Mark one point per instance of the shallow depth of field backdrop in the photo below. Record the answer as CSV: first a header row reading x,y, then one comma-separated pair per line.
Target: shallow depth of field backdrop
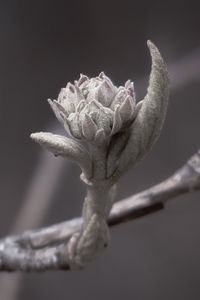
x,y
43,45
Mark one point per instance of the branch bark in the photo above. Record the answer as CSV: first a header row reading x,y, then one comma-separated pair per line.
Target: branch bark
x,y
45,249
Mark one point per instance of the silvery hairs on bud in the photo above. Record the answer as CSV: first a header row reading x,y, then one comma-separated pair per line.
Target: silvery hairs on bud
x,y
108,133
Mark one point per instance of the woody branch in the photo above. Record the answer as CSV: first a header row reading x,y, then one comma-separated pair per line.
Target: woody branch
x,y
45,249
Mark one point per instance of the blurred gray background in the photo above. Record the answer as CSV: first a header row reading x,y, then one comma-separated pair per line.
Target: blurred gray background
x,y
43,45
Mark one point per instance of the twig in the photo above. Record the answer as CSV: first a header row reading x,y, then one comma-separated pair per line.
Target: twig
x,y
45,249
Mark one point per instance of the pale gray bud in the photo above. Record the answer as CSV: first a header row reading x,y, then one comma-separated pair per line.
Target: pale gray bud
x,y
95,105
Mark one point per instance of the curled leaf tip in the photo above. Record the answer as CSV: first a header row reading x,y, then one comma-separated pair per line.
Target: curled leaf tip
x,y
150,116
36,136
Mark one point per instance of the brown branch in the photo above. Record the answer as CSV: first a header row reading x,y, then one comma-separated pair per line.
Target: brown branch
x,y
45,249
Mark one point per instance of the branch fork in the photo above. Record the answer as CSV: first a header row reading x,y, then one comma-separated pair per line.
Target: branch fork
x,y
48,248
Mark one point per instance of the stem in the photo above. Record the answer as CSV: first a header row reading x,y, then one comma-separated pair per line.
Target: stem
x,y
91,240
98,200
99,162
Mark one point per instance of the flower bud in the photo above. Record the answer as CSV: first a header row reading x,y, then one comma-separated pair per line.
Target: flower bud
x,y
94,109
